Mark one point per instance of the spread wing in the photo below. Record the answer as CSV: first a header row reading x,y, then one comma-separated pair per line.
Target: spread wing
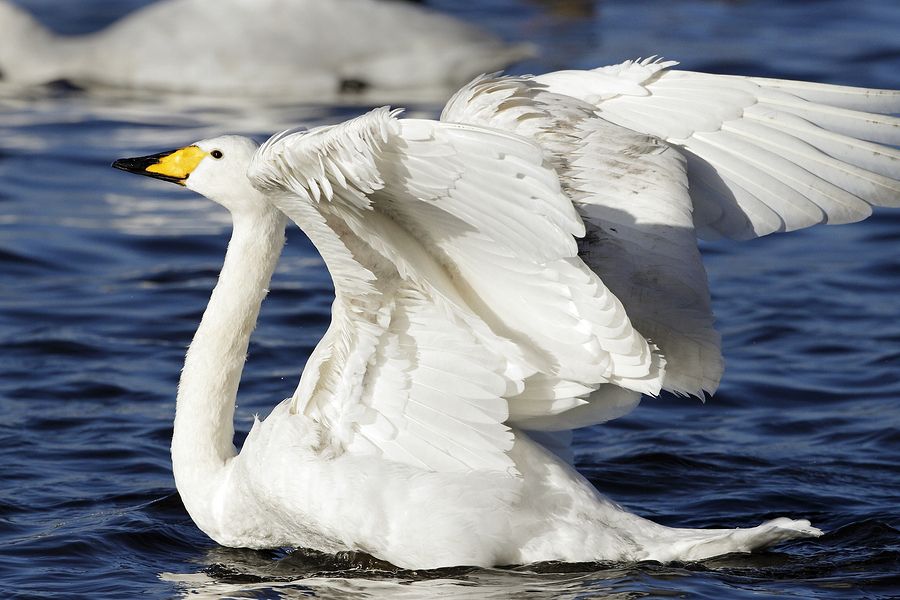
x,y
652,158
461,302
763,155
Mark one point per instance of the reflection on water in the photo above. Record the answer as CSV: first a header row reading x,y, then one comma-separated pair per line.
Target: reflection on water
x,y
866,549
246,573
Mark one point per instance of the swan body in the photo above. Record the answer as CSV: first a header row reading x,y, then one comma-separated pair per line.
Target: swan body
x,y
525,266
293,48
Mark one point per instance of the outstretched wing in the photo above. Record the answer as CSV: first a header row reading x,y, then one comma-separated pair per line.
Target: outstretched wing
x,y
653,157
632,193
764,155
459,288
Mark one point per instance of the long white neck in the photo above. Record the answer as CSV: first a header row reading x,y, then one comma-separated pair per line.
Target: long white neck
x,y
202,442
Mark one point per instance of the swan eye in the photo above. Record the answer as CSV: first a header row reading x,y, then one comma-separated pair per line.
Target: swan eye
x,y
216,154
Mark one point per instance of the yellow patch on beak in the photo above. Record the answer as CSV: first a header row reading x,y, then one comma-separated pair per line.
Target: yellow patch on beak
x,y
179,164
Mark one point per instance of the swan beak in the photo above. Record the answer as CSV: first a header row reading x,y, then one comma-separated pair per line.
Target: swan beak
x,y
174,166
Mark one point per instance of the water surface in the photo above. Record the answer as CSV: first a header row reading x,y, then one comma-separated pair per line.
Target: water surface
x,y
104,276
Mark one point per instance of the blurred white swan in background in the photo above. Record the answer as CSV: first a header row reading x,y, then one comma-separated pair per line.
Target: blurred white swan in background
x,y
293,48
524,266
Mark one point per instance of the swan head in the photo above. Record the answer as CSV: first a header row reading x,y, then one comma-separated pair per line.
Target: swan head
x,y
215,168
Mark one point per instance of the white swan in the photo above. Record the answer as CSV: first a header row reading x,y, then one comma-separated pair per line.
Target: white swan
x,y
466,315
295,48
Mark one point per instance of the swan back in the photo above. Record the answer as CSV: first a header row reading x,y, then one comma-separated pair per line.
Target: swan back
x,y
300,48
28,50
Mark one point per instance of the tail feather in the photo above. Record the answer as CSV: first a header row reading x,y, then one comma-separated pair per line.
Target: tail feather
x,y
699,544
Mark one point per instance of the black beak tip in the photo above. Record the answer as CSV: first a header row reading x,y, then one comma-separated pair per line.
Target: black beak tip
x,y
134,165
121,163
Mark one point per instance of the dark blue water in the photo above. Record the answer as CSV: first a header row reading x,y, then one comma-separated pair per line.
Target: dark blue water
x,y
103,278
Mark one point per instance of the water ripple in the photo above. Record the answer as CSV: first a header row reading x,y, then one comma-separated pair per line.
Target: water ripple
x,y
103,278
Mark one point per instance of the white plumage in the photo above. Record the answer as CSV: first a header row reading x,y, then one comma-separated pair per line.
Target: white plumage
x,y
522,267
295,49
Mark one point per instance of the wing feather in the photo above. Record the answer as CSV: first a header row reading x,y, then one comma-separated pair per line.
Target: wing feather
x,y
762,156
464,299
632,193
853,98
475,286
790,146
758,156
